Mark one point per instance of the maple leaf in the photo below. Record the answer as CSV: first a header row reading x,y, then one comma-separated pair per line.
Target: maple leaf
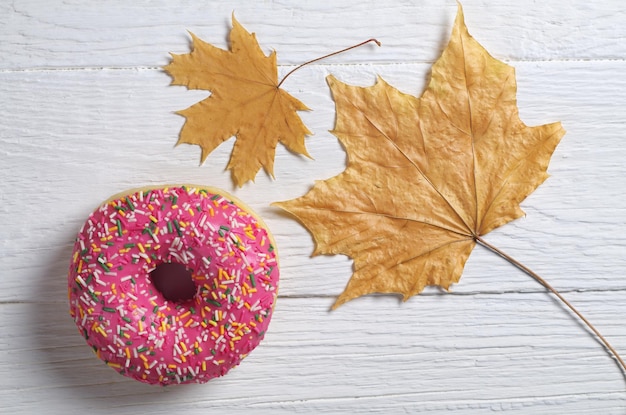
x,y
426,177
245,102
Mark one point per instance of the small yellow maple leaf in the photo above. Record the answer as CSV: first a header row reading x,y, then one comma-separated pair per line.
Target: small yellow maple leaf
x,y
245,102
426,176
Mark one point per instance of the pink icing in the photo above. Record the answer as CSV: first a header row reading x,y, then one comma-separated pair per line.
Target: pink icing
x,y
131,326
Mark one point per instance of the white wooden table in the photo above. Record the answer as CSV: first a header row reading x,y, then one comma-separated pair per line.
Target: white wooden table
x,y
86,112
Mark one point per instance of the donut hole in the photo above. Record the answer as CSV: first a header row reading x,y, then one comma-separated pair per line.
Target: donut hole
x,y
174,281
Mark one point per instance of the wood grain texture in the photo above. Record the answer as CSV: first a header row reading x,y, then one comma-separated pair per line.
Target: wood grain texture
x,y
75,34
85,112
369,356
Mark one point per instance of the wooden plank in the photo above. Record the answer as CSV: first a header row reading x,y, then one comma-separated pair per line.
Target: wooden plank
x,y
515,352
99,132
35,34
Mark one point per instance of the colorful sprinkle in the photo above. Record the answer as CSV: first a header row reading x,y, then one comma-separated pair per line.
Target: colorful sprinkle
x,y
129,323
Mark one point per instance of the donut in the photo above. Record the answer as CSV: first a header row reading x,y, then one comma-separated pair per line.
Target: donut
x,y
173,285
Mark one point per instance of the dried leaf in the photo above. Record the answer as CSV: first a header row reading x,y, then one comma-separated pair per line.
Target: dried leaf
x,y
245,102
425,176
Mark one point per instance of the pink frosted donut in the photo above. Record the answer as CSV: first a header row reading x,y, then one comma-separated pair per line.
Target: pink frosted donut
x,y
174,284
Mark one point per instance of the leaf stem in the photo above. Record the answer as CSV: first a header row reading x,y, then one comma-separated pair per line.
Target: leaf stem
x,y
543,282
326,56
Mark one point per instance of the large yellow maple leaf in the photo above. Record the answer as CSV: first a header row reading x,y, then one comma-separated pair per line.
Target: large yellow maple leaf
x,y
426,177
245,102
